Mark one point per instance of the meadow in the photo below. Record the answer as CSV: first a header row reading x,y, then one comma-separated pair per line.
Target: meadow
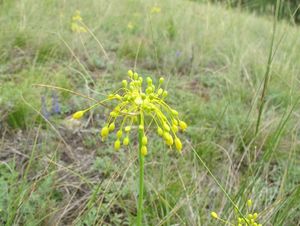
x,y
232,75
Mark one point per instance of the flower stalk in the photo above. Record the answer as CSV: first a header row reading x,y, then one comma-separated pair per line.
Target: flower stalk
x,y
141,173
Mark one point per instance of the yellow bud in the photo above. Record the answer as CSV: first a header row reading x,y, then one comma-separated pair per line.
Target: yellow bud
x,y
255,215
144,140
165,93
127,128
160,131
166,127
178,144
174,112
174,128
124,83
112,127
113,114
160,91
104,131
130,73
182,125
119,134
168,139
149,81
117,145
126,141
161,80
250,216
214,215
249,202
175,122
144,150
135,75
78,114
141,127
255,224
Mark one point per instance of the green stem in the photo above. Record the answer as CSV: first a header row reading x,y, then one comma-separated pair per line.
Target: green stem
x,y
141,172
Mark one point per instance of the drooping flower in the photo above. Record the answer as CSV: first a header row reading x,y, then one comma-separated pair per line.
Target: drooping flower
x,y
138,105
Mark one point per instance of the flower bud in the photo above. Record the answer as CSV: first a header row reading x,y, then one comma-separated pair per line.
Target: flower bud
x,y
182,125
124,83
166,126
149,81
165,93
174,112
126,141
214,215
144,140
249,203
178,144
130,73
161,80
119,134
117,145
113,114
112,127
127,128
255,215
160,91
144,150
160,131
104,131
78,114
135,75
174,128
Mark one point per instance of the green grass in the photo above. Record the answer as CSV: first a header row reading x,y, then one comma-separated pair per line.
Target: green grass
x,y
58,172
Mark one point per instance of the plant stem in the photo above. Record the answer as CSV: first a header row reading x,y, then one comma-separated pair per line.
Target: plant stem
x,y
141,178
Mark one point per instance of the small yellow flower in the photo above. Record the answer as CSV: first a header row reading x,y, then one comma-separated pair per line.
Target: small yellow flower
x,y
104,132
117,145
112,127
126,141
178,144
130,25
76,23
144,150
249,202
78,115
214,215
249,219
155,9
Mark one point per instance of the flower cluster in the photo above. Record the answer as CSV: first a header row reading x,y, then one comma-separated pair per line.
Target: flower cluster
x,y
155,9
249,220
135,106
76,24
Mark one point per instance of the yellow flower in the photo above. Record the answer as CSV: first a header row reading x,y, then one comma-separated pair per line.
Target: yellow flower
x,y
214,215
76,23
130,25
155,9
78,114
137,103
144,150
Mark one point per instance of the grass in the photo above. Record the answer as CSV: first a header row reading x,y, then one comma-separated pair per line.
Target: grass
x,y
55,171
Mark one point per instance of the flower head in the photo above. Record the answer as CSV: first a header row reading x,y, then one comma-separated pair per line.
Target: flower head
x,y
76,23
139,103
250,219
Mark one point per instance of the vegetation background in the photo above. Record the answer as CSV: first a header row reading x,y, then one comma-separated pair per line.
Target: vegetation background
x,y
223,73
